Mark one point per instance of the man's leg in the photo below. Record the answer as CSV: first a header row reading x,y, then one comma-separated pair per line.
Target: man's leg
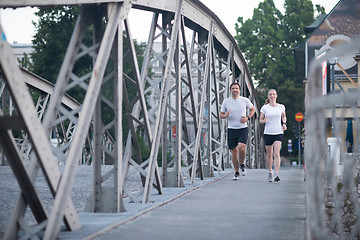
x,y
242,150
242,155
234,158
242,139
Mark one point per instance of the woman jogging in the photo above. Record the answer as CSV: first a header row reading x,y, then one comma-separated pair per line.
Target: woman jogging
x,y
274,117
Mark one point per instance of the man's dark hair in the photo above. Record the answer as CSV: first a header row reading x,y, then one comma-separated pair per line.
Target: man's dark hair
x,y
235,83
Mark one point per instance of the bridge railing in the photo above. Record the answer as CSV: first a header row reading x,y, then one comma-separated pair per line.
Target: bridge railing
x,y
332,173
194,59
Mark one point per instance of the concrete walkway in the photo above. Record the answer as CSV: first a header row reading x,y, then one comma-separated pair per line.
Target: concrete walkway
x,y
250,208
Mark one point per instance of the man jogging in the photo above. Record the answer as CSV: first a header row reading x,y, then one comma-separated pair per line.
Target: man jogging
x,y
234,108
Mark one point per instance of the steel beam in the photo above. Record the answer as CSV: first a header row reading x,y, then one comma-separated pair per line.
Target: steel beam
x,y
195,78
162,105
117,11
197,163
32,125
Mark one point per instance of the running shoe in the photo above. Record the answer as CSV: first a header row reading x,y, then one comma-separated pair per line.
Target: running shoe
x,y
243,170
236,176
277,179
270,178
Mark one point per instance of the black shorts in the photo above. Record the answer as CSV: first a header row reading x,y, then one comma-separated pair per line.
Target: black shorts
x,y
270,139
236,136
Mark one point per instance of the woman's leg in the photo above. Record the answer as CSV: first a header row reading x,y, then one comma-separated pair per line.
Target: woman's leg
x,y
277,161
269,156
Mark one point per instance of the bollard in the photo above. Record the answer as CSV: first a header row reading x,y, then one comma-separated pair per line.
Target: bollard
x,y
334,155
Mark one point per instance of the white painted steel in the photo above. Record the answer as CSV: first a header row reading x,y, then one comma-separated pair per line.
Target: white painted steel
x,y
198,161
162,106
24,104
197,81
54,224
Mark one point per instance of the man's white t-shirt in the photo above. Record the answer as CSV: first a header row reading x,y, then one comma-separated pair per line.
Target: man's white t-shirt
x,y
273,126
237,109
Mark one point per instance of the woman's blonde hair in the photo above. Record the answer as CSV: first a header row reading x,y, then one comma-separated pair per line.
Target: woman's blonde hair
x,y
267,99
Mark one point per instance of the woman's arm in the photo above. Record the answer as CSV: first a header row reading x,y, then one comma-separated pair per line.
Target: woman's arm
x,y
283,118
263,119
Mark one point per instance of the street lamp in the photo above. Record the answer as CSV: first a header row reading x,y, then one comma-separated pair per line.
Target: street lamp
x,y
332,62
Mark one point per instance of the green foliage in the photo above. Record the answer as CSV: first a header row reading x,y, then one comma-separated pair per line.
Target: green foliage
x,y
298,15
144,149
25,62
293,98
259,39
53,33
267,41
320,9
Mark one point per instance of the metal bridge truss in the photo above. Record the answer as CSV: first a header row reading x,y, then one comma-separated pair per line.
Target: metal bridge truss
x,y
198,60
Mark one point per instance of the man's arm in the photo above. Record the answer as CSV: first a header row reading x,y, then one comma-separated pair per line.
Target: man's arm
x,y
244,119
224,114
252,112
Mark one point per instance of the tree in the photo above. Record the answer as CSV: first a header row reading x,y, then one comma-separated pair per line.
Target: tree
x,y
267,41
25,62
258,38
53,33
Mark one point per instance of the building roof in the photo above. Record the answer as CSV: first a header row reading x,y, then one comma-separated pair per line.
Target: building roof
x,y
315,24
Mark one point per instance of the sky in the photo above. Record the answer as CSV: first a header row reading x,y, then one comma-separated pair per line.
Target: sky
x,y
17,24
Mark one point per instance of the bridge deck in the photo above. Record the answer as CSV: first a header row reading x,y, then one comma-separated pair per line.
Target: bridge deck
x,y
250,208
